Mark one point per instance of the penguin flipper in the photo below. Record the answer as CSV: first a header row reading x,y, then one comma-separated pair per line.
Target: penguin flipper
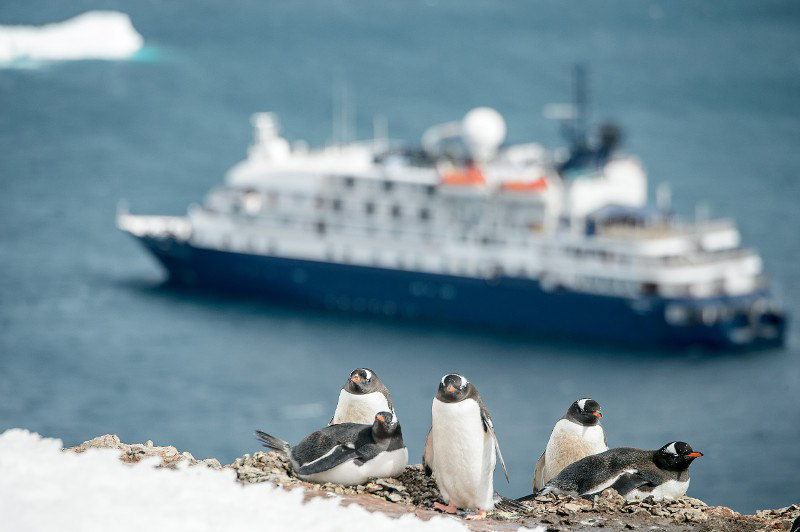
x,y
488,426
334,457
627,482
427,454
538,474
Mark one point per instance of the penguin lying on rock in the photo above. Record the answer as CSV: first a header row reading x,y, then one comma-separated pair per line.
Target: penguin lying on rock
x,y
346,453
633,473
361,397
576,435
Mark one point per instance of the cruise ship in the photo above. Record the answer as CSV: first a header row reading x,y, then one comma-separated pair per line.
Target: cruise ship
x,y
466,229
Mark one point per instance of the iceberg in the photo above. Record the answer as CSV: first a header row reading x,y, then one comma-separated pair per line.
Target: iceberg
x,y
91,35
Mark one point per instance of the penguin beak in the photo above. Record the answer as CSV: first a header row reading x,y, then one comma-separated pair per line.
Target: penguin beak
x,y
695,454
597,414
379,418
451,388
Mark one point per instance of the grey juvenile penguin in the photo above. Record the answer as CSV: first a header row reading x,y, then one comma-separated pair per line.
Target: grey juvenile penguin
x,y
464,447
576,435
633,473
346,453
361,397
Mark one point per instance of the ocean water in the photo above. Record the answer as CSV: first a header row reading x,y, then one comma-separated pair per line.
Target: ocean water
x,y
91,342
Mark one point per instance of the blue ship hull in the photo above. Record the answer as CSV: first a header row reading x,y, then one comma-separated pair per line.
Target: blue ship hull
x,y
504,302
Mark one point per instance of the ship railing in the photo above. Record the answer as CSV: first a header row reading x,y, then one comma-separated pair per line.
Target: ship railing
x,y
674,228
154,226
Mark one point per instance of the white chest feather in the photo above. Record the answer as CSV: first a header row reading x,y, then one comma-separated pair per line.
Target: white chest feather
x,y
569,442
385,465
671,489
353,408
463,455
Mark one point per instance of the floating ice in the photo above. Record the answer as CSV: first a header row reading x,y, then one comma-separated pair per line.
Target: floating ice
x,y
45,488
92,35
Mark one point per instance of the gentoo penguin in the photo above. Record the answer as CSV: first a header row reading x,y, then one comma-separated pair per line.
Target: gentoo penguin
x,y
362,396
576,435
464,447
633,473
346,453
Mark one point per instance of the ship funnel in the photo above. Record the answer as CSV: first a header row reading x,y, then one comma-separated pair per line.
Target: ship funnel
x,y
484,130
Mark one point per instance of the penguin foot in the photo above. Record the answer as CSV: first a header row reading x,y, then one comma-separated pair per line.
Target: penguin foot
x,y
478,516
450,509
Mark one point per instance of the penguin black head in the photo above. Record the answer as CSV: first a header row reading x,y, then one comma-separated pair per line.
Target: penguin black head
x,y
584,412
675,456
362,381
384,426
453,388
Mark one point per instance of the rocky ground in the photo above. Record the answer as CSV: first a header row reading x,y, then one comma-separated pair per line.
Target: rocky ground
x,y
413,492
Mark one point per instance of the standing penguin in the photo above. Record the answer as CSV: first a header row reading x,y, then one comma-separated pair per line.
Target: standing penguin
x,y
346,453
633,473
463,447
576,435
361,397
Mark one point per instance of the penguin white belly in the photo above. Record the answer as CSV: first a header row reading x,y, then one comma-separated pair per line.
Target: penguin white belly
x,y
385,465
463,455
569,442
353,408
671,489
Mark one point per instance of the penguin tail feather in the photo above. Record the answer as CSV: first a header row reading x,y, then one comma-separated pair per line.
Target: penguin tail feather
x,y
271,442
509,505
526,498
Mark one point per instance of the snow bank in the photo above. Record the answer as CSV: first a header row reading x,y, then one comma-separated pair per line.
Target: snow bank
x,y
45,488
92,35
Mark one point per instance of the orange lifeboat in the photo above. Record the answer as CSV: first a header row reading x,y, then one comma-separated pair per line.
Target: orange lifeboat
x,y
538,185
471,175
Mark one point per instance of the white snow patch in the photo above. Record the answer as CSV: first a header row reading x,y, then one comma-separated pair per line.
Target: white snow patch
x,y
92,35
45,488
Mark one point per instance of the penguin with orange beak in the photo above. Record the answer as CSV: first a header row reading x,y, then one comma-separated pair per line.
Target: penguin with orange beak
x,y
362,396
576,435
633,473
346,453
462,448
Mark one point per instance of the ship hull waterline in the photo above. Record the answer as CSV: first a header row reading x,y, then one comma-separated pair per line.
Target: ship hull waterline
x,y
502,303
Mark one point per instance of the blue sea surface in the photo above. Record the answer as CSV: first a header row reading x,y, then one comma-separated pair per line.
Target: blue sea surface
x,y
92,342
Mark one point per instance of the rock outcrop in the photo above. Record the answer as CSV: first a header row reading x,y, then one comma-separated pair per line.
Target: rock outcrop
x,y
413,492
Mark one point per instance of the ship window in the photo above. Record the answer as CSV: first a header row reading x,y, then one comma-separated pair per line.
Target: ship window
x,y
424,213
349,181
321,228
396,211
336,204
369,207
430,190
388,186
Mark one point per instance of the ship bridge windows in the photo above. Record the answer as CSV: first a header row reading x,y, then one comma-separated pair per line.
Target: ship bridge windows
x,y
336,204
397,211
424,214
